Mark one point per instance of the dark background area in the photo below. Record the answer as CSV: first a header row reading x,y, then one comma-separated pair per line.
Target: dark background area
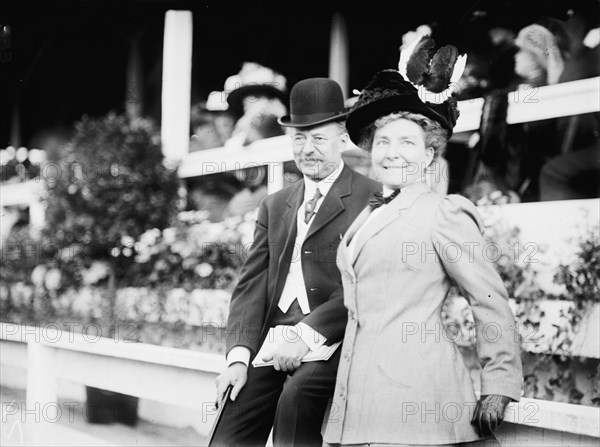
x,y
68,58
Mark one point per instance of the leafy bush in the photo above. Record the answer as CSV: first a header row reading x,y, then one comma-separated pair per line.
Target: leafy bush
x,y
111,184
580,277
194,253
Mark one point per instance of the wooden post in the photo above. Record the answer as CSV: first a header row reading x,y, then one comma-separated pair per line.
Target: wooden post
x,y
41,410
274,177
176,84
15,123
338,53
134,95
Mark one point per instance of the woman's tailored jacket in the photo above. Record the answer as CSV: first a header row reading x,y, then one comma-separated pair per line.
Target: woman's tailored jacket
x,y
401,377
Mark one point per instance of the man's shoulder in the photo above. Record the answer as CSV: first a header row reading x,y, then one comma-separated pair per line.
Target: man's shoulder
x,y
364,182
282,195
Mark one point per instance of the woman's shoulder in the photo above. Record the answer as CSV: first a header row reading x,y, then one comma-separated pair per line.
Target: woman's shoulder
x,y
453,209
457,202
449,202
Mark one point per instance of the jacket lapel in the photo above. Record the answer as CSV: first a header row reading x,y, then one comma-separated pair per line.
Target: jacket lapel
x,y
345,262
290,212
385,217
389,214
290,221
355,226
332,204
288,217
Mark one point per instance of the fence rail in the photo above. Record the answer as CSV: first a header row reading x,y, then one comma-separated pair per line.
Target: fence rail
x,y
525,105
186,378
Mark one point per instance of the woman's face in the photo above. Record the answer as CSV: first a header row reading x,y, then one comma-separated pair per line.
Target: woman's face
x,y
399,154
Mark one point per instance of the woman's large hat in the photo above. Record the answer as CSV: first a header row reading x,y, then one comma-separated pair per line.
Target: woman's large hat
x,y
423,84
315,101
543,44
254,80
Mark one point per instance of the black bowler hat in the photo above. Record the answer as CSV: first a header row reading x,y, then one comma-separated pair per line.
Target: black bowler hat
x,y
315,101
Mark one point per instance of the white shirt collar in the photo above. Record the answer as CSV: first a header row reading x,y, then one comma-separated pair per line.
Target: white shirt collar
x,y
324,185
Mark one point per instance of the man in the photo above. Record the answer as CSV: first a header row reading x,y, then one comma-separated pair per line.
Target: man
x,y
290,278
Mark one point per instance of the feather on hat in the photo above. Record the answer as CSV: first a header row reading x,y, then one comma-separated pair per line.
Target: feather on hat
x,y
423,83
435,73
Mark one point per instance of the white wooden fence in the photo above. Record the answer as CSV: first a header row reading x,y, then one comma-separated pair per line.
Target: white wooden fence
x,y
186,378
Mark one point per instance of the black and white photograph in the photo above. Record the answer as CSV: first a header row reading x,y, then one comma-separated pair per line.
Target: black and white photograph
x,y
300,223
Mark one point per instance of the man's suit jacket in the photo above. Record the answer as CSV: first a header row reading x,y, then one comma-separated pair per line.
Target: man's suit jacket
x,y
402,379
264,273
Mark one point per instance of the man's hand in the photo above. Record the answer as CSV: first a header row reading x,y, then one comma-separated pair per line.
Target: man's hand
x,y
237,375
489,413
288,355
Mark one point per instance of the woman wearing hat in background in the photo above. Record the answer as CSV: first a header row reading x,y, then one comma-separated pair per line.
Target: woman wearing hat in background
x,y
401,378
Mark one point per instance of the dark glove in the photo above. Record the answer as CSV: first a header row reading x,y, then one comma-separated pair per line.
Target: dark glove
x,y
489,414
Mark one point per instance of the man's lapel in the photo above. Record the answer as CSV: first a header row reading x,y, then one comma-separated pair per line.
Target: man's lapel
x,y
289,218
292,204
332,203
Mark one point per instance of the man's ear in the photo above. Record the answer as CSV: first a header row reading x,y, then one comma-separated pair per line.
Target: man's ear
x,y
345,138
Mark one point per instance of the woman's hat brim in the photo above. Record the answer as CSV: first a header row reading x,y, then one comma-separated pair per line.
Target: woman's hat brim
x,y
369,113
236,97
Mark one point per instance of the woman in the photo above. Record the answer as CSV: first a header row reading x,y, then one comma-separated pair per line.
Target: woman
x,y
402,379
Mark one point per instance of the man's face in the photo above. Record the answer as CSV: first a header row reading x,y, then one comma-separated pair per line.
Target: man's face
x,y
318,150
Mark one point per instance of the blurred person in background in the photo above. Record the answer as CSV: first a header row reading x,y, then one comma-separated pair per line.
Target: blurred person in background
x,y
575,172
212,123
543,52
256,99
492,170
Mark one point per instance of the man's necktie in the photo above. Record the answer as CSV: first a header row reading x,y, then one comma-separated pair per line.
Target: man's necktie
x,y
377,199
309,207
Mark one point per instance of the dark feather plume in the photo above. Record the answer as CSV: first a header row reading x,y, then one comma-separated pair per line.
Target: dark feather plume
x,y
417,68
441,68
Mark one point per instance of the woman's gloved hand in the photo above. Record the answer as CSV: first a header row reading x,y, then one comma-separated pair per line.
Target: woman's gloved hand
x,y
489,413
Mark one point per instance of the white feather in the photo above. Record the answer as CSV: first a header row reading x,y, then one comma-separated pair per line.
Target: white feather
x,y
405,56
459,68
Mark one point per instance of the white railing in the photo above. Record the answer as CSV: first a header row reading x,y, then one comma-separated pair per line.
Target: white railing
x,y
167,375
525,105
185,378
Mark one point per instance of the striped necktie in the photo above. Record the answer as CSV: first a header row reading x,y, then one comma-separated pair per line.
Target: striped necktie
x,y
309,207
